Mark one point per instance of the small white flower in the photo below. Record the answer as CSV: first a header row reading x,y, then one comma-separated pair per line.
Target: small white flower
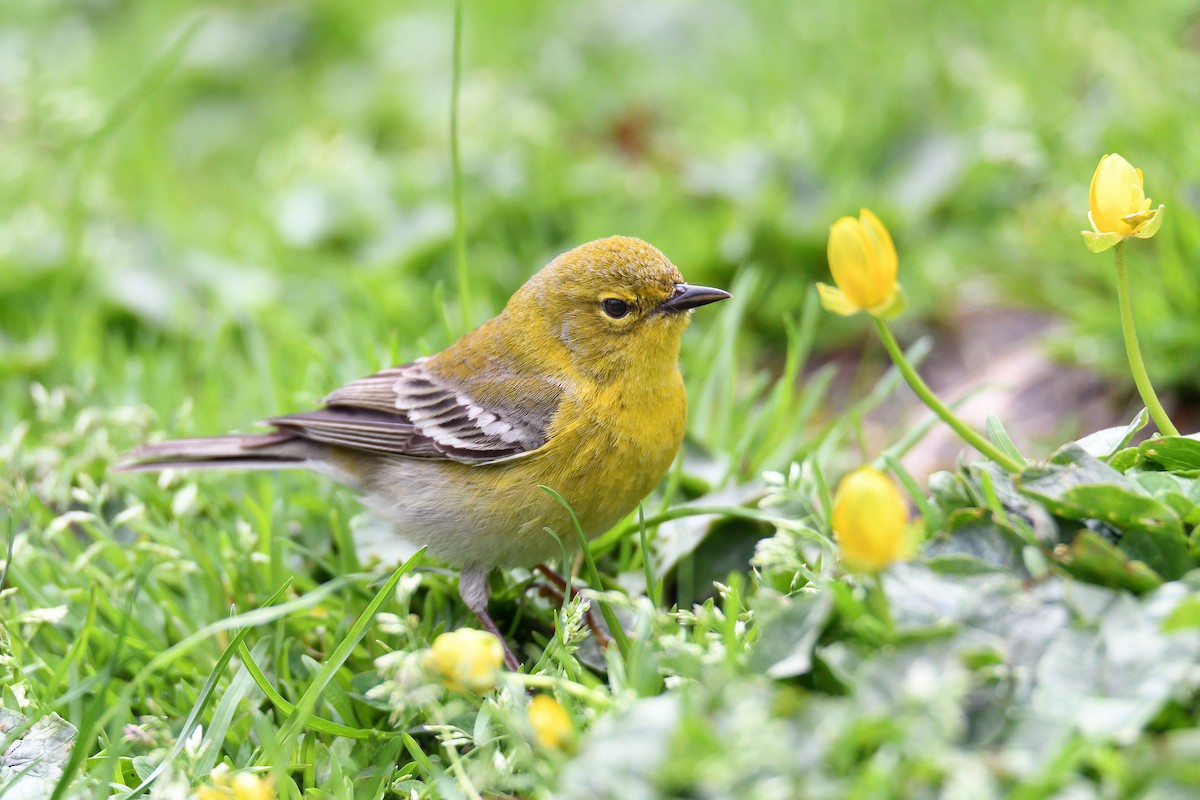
x,y
184,502
51,616
406,586
64,521
195,739
129,514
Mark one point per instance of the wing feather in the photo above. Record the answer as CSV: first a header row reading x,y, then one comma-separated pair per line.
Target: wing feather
x,y
407,411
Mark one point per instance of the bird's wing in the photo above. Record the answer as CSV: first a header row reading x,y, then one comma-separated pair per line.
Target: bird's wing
x,y
407,411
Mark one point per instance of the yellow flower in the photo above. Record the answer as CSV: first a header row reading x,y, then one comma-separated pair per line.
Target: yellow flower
x,y
863,261
241,786
870,521
467,660
551,723
1118,204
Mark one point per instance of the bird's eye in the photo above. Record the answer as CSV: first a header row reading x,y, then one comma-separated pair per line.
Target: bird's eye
x,y
615,308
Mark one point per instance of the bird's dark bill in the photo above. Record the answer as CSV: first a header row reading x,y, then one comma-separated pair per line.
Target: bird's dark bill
x,y
687,296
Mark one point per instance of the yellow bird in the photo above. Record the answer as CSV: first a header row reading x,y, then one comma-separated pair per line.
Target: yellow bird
x,y
575,386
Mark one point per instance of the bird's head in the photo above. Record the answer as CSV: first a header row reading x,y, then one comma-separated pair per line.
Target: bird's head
x,y
613,304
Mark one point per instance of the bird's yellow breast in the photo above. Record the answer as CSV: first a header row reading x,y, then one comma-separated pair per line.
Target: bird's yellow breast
x,y
613,446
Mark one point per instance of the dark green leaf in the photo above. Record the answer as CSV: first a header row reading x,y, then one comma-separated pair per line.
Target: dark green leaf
x,y
1165,553
976,535
1093,559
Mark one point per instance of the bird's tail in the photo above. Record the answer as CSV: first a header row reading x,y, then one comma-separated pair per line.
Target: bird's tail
x,y
279,450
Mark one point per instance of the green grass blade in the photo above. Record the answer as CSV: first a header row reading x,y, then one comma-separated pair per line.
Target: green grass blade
x,y
307,702
222,718
653,587
202,701
12,541
92,716
1000,438
931,516
277,700
462,274
610,618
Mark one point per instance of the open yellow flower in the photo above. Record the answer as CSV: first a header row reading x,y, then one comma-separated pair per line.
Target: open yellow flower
x,y
1118,206
467,660
863,261
870,521
552,725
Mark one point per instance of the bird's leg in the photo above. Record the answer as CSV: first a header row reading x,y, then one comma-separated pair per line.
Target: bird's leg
x,y
564,590
472,586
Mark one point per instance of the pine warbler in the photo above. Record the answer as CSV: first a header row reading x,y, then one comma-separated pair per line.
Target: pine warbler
x,y
575,386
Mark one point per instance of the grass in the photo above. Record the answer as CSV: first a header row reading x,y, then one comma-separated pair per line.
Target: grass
x,y
210,214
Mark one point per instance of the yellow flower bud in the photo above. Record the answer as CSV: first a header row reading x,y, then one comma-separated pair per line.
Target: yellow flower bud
x,y
551,723
870,521
240,786
863,261
467,660
1118,206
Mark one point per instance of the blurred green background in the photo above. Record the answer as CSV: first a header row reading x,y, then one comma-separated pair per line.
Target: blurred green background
x,y
216,212
193,193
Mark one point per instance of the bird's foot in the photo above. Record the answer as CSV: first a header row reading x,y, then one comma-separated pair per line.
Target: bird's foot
x,y
472,585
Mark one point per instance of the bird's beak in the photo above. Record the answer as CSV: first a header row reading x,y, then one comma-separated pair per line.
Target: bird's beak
x,y
687,296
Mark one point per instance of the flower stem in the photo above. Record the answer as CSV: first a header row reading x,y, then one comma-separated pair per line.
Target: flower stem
x,y
877,601
1136,365
937,406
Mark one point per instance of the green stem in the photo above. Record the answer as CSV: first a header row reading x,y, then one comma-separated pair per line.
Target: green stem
x,y
460,224
937,406
551,682
1136,365
878,603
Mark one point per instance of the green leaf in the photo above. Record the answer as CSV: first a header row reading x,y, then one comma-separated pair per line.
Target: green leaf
x,y
960,564
977,536
1122,508
1077,486
1068,467
1181,493
950,490
790,630
1104,443
1000,438
1176,453
1166,554
1184,615
1127,459
1099,242
1093,559
998,490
